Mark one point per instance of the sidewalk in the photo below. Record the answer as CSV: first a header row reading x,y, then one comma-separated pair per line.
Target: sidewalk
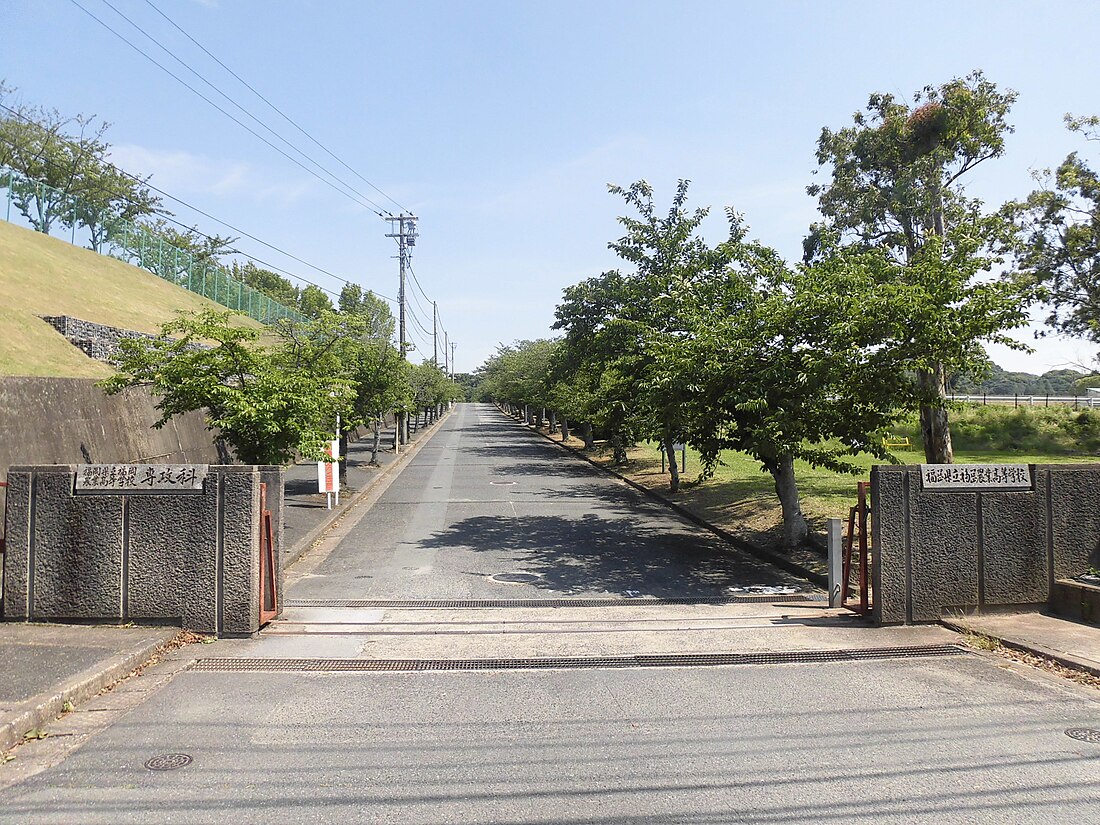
x,y
306,513
1069,643
45,666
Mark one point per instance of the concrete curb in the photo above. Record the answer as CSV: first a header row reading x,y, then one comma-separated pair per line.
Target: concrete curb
x,y
313,536
766,555
1065,659
40,709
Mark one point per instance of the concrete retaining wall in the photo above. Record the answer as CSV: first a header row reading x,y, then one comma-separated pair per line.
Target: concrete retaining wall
x,y
936,552
185,557
72,421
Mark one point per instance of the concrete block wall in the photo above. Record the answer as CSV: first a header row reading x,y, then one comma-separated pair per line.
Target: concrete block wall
x,y
72,421
183,558
936,552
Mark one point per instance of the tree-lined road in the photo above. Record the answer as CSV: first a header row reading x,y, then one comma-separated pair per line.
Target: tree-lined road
x,y
485,496
290,725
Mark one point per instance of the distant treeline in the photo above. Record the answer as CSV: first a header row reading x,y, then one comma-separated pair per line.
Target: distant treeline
x,y
1002,382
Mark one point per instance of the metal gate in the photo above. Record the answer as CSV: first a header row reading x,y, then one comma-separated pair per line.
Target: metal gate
x,y
269,596
857,555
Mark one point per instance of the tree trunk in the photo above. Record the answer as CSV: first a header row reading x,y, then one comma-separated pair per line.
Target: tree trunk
x,y
538,418
343,448
795,528
376,443
564,428
934,427
618,449
586,434
553,426
674,470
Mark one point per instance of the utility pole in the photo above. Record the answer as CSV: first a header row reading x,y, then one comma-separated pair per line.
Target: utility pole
x,y
446,349
406,237
453,359
435,335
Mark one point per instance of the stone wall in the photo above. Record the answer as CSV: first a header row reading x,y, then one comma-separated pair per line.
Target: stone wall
x,y
183,557
97,341
938,551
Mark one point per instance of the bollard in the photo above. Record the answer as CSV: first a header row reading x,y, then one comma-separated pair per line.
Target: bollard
x,y
836,561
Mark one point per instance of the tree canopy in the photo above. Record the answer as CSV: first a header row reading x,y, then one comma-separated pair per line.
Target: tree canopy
x,y
895,185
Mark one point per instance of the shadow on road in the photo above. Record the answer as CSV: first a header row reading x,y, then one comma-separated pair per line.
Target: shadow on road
x,y
594,555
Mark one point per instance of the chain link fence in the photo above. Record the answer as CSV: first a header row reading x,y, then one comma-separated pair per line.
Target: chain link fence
x,y
134,243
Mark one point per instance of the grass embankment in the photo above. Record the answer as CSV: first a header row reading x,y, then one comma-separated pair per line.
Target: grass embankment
x,y
40,275
741,498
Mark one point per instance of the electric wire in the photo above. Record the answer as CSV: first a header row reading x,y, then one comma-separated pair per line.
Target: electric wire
x,y
417,301
227,97
256,120
229,226
377,210
275,108
435,307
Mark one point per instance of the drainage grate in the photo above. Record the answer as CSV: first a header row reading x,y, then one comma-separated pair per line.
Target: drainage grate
x,y
515,578
1085,735
755,598
168,762
572,662
458,604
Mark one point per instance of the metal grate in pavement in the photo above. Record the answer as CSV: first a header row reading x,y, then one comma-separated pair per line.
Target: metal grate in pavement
x,y
225,665
756,598
456,604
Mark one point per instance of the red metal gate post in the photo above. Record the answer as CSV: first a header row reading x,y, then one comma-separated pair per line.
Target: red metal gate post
x,y
269,597
864,579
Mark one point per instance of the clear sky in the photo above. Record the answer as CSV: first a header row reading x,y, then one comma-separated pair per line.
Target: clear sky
x,y
500,124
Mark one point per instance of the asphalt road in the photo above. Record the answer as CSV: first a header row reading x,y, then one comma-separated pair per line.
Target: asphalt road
x,y
486,496
962,738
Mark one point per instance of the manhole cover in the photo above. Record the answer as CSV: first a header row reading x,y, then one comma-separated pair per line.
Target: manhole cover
x,y
501,483
516,578
168,762
1085,735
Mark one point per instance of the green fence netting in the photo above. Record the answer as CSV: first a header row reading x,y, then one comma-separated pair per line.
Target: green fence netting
x,y
134,243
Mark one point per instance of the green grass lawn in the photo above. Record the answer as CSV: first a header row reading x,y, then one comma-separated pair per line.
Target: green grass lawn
x,y
40,275
741,499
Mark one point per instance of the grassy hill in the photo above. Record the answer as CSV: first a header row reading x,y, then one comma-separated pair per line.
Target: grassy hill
x,y
40,275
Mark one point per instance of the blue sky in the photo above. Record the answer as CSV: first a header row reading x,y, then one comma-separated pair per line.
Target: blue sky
x,y
501,123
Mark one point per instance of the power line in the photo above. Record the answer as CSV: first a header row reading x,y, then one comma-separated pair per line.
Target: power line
x,y
435,308
239,106
377,210
227,97
222,223
279,111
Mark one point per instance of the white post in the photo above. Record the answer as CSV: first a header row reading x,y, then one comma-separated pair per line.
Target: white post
x,y
337,457
836,561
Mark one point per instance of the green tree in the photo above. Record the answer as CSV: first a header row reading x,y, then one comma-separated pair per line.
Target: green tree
x,y
108,199
269,402
313,302
617,325
57,166
68,155
174,254
1059,226
896,185
271,284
